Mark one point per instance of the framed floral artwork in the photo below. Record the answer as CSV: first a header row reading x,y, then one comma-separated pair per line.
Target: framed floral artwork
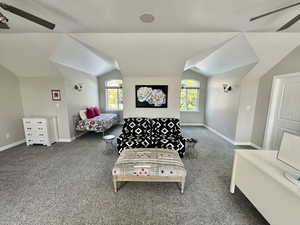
x,y
56,96
151,96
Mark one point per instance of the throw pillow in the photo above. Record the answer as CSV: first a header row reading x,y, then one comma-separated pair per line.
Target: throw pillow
x,y
82,114
90,113
96,111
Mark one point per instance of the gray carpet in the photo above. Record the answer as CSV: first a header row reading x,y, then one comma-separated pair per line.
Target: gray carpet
x,y
70,183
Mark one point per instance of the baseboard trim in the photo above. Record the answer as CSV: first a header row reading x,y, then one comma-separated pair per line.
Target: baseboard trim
x,y
256,146
248,144
232,141
79,135
219,134
192,124
68,140
5,147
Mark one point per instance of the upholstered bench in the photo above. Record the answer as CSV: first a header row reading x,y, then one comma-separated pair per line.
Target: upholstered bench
x,y
149,165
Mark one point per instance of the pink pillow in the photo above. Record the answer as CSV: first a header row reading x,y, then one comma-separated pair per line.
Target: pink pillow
x,y
96,111
90,113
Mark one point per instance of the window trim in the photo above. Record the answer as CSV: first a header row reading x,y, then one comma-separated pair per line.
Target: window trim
x,y
118,95
198,97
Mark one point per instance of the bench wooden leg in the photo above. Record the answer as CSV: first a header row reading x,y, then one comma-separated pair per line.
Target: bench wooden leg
x,y
182,186
115,185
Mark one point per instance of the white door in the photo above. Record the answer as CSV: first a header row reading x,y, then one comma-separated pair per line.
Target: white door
x,y
285,110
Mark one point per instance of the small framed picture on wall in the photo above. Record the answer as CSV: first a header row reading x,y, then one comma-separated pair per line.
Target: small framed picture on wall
x,y
56,95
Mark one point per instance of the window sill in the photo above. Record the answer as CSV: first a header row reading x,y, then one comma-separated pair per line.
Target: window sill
x,y
190,111
114,111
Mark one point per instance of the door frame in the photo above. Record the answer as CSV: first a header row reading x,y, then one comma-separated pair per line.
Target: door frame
x,y
275,93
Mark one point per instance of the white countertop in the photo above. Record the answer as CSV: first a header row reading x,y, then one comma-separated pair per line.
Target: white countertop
x,y
268,163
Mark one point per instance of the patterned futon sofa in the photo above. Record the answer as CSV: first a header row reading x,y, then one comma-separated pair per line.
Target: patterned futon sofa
x,y
152,133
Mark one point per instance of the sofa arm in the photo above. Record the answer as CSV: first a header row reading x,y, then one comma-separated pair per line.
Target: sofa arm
x,y
121,136
181,145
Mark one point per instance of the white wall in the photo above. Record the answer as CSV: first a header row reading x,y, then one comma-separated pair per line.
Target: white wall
x,y
159,54
222,109
246,110
37,100
270,48
173,97
11,111
186,117
195,117
75,100
290,64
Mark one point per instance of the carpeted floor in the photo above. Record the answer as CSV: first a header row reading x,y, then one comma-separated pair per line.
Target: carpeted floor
x,y
70,183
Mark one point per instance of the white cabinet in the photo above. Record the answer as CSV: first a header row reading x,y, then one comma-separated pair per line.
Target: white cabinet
x,y
260,176
41,130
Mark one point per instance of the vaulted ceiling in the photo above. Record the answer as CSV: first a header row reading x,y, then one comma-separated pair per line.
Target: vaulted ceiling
x,y
112,28
216,60
104,16
161,54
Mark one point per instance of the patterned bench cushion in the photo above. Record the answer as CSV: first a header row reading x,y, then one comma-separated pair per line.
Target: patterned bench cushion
x,y
149,162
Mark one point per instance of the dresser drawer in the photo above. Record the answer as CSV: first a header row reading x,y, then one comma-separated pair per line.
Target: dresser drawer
x,y
40,122
28,129
29,141
42,141
27,122
40,129
28,134
41,135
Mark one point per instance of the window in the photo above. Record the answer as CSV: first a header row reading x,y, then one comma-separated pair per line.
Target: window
x,y
189,96
114,95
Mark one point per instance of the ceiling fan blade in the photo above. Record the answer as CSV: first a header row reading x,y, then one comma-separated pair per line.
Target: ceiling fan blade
x,y
28,16
4,26
290,23
274,11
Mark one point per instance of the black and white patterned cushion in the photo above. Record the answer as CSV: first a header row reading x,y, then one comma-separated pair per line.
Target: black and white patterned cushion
x,y
176,143
166,126
152,133
136,126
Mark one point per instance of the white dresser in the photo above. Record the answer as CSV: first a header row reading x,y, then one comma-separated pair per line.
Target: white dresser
x,y
260,176
40,130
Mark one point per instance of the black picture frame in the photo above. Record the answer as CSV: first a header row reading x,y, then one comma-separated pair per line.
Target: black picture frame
x,y
56,96
147,103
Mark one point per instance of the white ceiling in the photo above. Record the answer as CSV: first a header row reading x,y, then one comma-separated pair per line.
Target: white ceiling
x,y
159,54
76,55
153,54
28,54
217,61
105,16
